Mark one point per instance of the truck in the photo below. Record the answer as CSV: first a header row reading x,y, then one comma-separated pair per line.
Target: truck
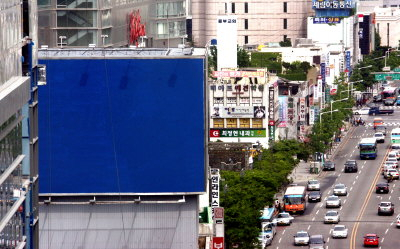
x,y
268,228
376,110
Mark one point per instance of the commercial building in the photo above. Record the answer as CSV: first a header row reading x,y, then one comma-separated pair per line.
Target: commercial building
x,y
258,22
105,23
122,153
19,75
388,25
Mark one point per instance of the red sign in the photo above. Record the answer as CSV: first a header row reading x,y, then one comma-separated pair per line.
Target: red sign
x,y
218,243
271,123
218,212
214,133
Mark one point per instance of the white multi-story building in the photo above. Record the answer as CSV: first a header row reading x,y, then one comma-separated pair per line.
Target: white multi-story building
x,y
258,21
388,25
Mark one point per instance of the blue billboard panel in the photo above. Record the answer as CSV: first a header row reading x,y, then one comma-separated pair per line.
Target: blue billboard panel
x,y
122,126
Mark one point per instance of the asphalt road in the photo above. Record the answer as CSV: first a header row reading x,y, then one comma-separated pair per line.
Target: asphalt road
x,y
359,207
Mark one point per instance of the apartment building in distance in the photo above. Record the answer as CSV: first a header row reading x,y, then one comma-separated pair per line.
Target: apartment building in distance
x,y
258,21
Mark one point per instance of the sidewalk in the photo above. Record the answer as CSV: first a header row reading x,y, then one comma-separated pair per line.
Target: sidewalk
x,y
301,173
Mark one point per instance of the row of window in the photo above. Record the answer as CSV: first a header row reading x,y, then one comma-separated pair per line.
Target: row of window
x,y
246,7
246,24
234,122
245,101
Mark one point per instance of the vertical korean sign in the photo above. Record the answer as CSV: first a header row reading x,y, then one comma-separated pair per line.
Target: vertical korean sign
x,y
348,62
283,111
271,114
214,188
312,115
302,109
323,74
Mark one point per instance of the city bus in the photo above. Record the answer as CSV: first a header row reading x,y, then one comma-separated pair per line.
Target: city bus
x,y
390,92
294,199
368,148
395,136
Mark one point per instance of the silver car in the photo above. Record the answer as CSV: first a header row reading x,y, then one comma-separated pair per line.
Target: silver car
x,y
340,231
313,185
301,238
283,219
332,217
333,201
340,189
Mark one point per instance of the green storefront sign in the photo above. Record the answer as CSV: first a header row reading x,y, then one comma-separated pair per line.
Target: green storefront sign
x,y
382,76
271,129
238,133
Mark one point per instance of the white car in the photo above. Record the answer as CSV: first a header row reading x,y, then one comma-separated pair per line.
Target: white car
x,y
393,172
394,154
362,111
313,185
398,221
380,137
265,239
333,201
332,217
301,238
339,231
283,219
393,160
340,189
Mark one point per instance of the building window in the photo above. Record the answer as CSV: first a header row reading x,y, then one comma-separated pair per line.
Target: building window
x,y
226,8
233,8
176,29
246,7
231,101
231,123
285,23
257,122
171,9
77,37
284,37
218,122
76,18
246,23
246,39
244,123
218,101
245,101
284,7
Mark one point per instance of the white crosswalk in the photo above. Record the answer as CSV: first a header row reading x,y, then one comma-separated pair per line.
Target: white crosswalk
x,y
386,124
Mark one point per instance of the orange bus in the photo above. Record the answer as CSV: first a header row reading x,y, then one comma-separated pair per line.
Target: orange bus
x,y
294,199
377,122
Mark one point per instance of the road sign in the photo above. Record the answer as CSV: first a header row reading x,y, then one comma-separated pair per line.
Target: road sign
x,y
383,76
386,69
397,69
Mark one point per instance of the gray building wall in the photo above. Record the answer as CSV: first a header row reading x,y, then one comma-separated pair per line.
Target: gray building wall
x,y
143,225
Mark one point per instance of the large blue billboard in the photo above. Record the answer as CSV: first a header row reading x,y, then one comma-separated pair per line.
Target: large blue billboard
x,y
122,126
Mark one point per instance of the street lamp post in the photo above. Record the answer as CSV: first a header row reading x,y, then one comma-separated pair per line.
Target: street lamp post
x,y
336,101
62,37
320,114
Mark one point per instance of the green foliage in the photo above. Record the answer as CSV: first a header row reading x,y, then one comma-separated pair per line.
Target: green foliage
x,y
296,70
243,58
272,61
212,60
377,39
294,76
286,43
246,193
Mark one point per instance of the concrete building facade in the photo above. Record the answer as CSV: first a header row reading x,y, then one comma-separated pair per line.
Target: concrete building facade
x,y
388,25
258,21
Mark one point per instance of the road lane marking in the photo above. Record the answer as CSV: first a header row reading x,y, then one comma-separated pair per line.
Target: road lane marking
x,y
327,241
351,188
317,211
354,182
279,240
330,231
386,231
283,231
339,175
341,207
391,191
365,162
390,197
359,172
383,240
356,177
351,155
344,201
308,227
394,185
313,218
391,224
364,206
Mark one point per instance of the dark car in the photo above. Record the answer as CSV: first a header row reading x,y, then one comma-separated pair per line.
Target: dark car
x,y
314,196
389,101
328,165
316,242
350,166
377,98
382,187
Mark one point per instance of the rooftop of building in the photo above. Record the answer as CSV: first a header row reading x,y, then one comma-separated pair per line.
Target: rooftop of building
x,y
120,52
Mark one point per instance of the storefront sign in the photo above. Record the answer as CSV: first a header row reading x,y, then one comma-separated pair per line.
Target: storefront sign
x,y
259,111
244,74
218,243
302,109
319,91
290,109
348,58
232,111
333,90
316,113
271,132
329,4
238,133
271,104
326,20
323,75
214,187
312,115
283,111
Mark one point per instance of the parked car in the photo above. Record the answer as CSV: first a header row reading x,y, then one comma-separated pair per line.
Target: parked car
x,y
339,231
333,201
317,242
313,185
314,196
362,111
283,219
340,189
329,165
382,187
393,172
380,137
350,166
301,238
332,217
264,239
386,207
371,239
